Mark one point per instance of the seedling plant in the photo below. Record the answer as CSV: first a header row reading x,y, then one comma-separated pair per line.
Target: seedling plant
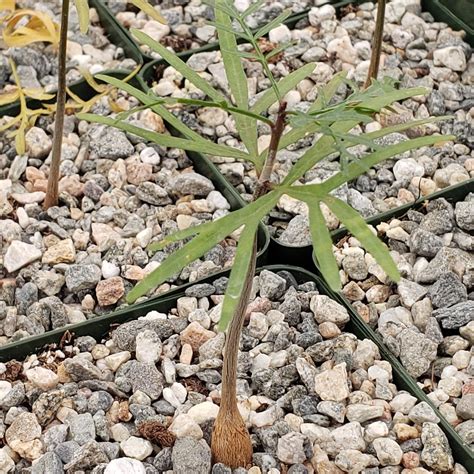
x,y
329,122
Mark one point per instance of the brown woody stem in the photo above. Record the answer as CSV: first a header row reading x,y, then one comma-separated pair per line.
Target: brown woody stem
x,y
229,371
376,44
51,198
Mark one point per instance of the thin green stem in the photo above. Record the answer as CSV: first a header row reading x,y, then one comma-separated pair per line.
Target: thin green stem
x,y
260,56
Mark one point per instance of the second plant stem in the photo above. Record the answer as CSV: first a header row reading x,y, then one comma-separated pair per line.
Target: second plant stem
x,y
376,44
51,198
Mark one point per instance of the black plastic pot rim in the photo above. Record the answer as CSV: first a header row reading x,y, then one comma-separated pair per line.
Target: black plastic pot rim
x,y
441,12
396,212
99,327
461,450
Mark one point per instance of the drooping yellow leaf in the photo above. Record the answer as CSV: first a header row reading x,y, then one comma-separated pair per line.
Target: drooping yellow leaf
x,y
114,106
37,94
6,5
24,27
91,81
9,97
26,117
82,7
10,123
144,6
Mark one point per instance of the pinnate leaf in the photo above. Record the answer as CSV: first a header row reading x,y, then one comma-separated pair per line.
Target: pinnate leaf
x,y
82,7
362,232
152,12
244,258
237,80
166,140
322,244
171,58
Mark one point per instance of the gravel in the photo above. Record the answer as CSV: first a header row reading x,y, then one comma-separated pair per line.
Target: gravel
x,y
325,407
188,21
417,52
37,62
117,195
427,319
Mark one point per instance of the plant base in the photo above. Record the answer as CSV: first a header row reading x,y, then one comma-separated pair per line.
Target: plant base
x,y
231,444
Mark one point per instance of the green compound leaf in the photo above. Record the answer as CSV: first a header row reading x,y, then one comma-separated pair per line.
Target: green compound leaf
x,y
167,140
322,245
82,7
208,235
237,79
173,60
362,232
238,274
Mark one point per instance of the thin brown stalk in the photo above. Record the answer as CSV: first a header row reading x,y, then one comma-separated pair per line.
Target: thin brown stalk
x,y
376,44
51,198
231,444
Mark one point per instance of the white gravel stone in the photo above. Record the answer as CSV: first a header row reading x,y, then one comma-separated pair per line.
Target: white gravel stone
x,y
20,254
125,466
184,426
136,448
203,412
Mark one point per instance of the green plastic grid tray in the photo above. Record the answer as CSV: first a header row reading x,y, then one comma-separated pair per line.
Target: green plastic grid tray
x,y
463,453
100,327
458,14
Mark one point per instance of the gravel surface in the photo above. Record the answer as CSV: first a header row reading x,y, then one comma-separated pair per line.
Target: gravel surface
x,y
315,398
417,51
188,21
116,196
427,319
37,62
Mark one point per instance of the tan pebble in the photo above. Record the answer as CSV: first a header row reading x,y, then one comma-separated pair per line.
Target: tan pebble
x,y
329,330
109,291
410,460
123,412
64,412
196,335
405,432
186,355
62,374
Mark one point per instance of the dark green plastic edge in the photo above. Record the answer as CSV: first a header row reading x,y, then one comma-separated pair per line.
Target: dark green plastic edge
x,y
453,193
461,450
458,14
303,256
101,326
117,33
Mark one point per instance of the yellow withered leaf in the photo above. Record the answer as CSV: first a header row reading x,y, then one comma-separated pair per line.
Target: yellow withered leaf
x,y
82,7
20,143
37,94
9,97
91,81
6,5
149,10
24,27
